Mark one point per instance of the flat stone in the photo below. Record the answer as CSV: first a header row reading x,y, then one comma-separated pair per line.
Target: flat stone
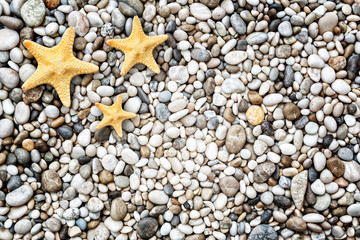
x,y
19,196
298,189
229,186
263,231
147,227
51,181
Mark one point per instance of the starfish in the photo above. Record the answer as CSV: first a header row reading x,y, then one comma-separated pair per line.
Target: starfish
x,y
114,115
57,66
138,48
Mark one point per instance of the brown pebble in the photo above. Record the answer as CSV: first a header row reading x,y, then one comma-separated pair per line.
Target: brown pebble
x,y
254,97
52,3
106,177
58,122
337,63
255,115
229,115
28,144
145,151
336,166
291,111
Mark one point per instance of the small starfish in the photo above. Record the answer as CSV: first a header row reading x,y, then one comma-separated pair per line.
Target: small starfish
x,y
114,115
138,48
57,66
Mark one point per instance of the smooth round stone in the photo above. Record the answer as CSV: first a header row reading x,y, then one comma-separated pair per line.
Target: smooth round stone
x,y
53,224
345,154
255,115
33,12
164,96
132,105
263,172
315,61
9,77
285,29
51,111
312,128
19,196
238,24
9,39
84,138
23,156
211,151
322,202
287,149
229,186
232,85
267,198
16,55
118,210
158,197
328,75
341,87
137,79
26,71
129,156
6,128
310,140
318,187
200,11
256,38
22,113
22,226
354,210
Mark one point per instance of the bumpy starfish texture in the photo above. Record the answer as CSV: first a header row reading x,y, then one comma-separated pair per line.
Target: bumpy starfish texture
x,y
57,66
114,115
138,48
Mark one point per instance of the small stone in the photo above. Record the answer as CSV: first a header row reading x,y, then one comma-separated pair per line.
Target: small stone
x,y
51,181
52,3
291,111
337,63
200,55
6,128
263,172
315,61
255,115
235,139
238,23
53,224
285,29
158,197
328,22
8,76
147,227
256,38
232,85
229,186
298,189
296,224
336,166
80,22
352,171
345,154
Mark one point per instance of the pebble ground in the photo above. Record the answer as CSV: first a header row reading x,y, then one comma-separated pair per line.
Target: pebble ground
x,y
250,130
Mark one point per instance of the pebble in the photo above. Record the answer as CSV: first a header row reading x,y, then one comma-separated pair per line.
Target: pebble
x,y
147,227
33,12
200,11
9,39
158,197
229,186
6,128
19,196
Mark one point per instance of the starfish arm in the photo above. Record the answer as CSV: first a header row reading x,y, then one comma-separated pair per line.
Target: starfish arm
x,y
38,51
67,42
118,128
120,44
155,41
130,60
62,87
103,108
137,30
149,61
39,77
81,67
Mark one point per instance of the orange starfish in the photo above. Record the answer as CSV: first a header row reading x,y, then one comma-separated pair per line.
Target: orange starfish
x,y
114,115
138,48
57,66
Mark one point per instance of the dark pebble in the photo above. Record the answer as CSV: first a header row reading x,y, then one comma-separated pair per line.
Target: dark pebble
x,y
213,123
353,66
253,201
301,122
170,27
200,55
267,128
65,131
23,156
266,216
34,115
13,183
241,45
143,96
78,127
84,160
41,146
168,189
102,135
289,76
162,113
327,140
312,175
143,108
11,159
147,227
351,108
282,201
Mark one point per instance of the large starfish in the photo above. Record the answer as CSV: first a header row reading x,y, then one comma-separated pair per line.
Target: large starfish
x,y
114,115
138,48
57,66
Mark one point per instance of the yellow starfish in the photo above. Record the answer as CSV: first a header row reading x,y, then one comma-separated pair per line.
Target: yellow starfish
x,y
57,66
114,115
138,48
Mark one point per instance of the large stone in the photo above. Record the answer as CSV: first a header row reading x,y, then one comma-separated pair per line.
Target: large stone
x,y
235,139
19,196
147,227
33,12
296,224
118,210
298,189
336,166
352,171
328,22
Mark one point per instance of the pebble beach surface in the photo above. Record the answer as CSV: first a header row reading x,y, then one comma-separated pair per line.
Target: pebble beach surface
x,y
250,130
